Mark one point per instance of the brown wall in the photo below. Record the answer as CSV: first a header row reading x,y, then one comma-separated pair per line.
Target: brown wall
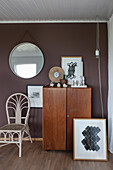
x,y
55,40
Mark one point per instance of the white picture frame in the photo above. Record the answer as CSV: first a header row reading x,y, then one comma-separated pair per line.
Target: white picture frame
x,y
89,139
67,62
35,94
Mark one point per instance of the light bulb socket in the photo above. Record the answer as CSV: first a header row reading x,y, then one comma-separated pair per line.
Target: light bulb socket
x,y
97,53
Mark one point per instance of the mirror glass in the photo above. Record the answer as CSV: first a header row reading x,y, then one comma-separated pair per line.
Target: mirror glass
x,y
26,60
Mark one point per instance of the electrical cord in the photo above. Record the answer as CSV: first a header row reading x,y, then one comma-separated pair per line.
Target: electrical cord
x,y
100,88
97,51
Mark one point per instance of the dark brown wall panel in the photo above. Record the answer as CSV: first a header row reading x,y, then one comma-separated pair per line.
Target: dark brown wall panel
x,y
55,40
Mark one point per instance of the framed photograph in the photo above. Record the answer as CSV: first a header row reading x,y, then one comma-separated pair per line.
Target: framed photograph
x,y
73,68
89,139
35,94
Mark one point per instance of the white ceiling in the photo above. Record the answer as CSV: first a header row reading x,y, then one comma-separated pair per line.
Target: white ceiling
x,y
55,10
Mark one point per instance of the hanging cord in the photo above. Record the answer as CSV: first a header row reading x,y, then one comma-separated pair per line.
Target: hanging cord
x,y
100,88
99,71
29,34
97,36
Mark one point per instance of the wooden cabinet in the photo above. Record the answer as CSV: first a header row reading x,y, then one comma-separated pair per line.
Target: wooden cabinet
x,y
60,106
78,106
54,118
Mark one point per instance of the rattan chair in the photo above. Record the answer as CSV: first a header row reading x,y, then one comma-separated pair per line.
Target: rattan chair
x,y
17,109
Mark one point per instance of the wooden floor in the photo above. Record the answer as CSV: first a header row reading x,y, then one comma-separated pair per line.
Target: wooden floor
x,y
34,158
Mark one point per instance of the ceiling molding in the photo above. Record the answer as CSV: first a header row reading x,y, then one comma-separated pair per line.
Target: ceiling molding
x,y
54,21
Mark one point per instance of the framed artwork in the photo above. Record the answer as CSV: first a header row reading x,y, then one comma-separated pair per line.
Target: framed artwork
x,y
89,139
35,94
73,68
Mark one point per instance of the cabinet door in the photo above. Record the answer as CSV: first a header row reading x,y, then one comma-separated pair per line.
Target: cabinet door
x,y
78,106
54,118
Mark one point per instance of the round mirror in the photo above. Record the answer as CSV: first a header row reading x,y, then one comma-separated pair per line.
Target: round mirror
x,y
26,60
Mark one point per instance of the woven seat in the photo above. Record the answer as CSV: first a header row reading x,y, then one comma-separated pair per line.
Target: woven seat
x,y
13,127
17,109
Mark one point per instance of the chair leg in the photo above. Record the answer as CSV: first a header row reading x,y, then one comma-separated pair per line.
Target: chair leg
x,y
27,131
20,144
29,136
31,139
20,150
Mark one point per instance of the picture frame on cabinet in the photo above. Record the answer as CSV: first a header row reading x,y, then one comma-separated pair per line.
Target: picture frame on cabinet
x,y
89,139
73,68
35,94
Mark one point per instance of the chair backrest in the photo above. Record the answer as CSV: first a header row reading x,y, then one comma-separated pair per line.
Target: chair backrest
x,y
17,108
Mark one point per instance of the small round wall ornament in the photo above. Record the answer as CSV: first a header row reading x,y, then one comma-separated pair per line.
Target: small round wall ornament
x,y
55,74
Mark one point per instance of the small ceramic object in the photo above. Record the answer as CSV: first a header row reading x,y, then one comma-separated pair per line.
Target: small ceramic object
x,y
64,85
58,85
62,81
51,84
76,83
83,80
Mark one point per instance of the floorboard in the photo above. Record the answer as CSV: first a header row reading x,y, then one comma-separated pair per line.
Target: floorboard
x,y
34,158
